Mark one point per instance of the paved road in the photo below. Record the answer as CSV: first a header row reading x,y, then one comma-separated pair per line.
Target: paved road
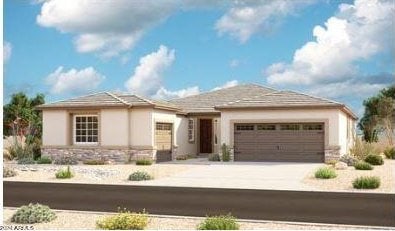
x,y
321,207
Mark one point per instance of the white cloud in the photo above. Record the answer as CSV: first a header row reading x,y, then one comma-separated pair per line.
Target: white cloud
x,y
74,81
246,18
106,27
355,33
147,77
228,84
7,51
163,93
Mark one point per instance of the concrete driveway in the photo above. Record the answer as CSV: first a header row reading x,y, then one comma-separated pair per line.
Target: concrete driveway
x,y
252,175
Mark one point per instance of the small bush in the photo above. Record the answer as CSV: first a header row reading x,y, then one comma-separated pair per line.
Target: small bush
x,y
140,176
331,162
64,173
325,173
214,157
225,152
125,220
366,182
33,213
362,165
144,162
390,153
182,157
66,160
9,172
223,222
44,160
374,159
27,160
348,159
94,162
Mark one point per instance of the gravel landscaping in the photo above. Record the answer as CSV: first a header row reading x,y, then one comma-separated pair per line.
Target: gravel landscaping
x,y
95,174
345,177
87,220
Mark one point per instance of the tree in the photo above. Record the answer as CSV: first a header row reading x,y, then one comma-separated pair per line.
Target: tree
x,y
379,116
20,118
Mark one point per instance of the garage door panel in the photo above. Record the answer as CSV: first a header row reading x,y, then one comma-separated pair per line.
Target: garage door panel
x,y
279,145
163,141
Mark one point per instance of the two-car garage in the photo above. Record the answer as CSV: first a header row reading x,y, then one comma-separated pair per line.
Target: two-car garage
x,y
282,142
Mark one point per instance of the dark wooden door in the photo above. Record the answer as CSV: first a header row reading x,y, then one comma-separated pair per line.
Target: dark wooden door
x,y
206,132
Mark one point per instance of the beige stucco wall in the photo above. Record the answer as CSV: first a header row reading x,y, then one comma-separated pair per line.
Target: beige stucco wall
x,y
55,128
184,147
141,127
334,119
114,127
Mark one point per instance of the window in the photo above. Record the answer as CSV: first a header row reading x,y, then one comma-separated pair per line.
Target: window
x,y
191,130
289,127
266,127
163,126
86,130
312,127
244,127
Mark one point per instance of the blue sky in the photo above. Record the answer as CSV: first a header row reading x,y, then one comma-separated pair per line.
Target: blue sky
x,y
342,50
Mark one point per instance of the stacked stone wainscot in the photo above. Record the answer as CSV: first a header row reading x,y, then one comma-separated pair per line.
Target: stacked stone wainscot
x,y
116,155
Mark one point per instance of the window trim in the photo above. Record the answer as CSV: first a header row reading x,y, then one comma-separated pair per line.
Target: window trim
x,y
191,130
74,130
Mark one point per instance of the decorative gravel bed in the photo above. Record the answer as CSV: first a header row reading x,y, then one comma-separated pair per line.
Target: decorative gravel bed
x,y
344,179
103,174
87,220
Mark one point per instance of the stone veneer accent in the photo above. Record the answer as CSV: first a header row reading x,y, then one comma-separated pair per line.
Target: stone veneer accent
x,y
332,153
120,155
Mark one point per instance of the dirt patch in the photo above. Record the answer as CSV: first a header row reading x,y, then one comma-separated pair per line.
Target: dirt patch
x,y
344,179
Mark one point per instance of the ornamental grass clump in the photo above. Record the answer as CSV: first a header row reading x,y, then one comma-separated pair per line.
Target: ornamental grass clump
x,y
374,159
362,165
366,182
390,153
140,176
64,173
44,160
33,213
144,162
9,172
325,173
222,222
125,220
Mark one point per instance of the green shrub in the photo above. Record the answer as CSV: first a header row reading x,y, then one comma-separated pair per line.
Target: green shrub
x,y
223,222
9,172
27,160
348,159
182,157
144,162
94,162
225,152
33,213
366,182
390,153
125,220
44,160
140,176
65,160
325,173
214,157
374,159
21,152
64,173
362,165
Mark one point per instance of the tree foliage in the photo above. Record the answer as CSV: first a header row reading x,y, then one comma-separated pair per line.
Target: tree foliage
x,y
379,116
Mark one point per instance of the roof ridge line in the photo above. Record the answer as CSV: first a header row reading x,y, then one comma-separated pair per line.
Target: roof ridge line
x,y
117,98
76,97
144,99
316,97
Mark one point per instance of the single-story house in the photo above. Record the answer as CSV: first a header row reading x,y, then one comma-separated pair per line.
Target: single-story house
x,y
258,124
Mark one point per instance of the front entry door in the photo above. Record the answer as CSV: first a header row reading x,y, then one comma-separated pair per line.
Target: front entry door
x,y
206,132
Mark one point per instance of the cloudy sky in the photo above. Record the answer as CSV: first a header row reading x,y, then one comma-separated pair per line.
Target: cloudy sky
x,y
343,50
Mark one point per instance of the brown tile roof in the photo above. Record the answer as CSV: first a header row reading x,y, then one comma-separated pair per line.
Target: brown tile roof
x,y
205,102
107,99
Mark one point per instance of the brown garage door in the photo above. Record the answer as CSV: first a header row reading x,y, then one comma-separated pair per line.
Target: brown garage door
x,y
163,138
301,142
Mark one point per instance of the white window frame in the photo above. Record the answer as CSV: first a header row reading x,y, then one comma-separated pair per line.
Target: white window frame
x,y
75,129
191,130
